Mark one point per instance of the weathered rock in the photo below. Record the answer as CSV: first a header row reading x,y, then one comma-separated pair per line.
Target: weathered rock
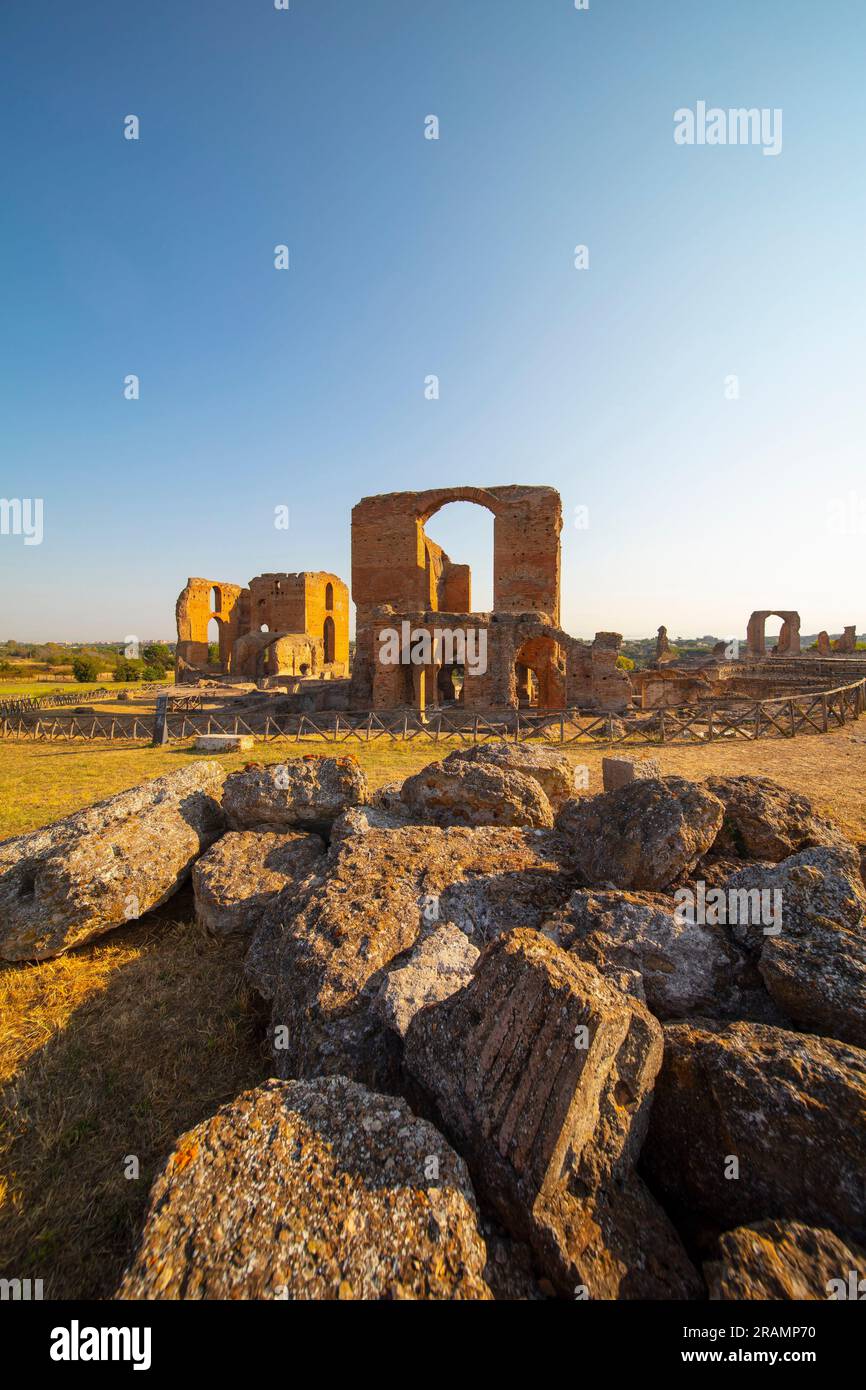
x,y
642,943
542,1074
472,793
787,1106
435,968
359,819
764,820
306,793
224,743
244,871
551,770
642,836
74,880
778,1260
324,963
310,1190
620,771
814,967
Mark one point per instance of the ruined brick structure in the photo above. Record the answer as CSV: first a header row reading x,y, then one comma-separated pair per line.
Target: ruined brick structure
x,y
848,641
403,581
789,634
280,625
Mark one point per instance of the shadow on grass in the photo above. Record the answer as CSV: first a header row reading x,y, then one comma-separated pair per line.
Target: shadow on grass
x,y
160,1042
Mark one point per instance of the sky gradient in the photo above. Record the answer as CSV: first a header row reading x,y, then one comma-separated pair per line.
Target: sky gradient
x,y
411,257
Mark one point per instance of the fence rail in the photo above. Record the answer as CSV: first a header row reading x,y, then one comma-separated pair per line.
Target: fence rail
x,y
781,717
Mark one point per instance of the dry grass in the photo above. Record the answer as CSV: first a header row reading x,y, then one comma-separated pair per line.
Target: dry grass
x,y
109,1052
118,1047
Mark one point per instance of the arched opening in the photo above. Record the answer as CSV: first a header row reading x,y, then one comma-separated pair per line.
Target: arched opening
x,y
264,628
464,531
539,675
772,630
216,599
214,655
329,596
329,639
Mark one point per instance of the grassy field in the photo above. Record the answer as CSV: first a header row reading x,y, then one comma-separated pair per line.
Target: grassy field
x,y
115,1049
36,690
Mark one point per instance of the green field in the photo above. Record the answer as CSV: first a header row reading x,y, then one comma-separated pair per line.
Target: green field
x,y
37,689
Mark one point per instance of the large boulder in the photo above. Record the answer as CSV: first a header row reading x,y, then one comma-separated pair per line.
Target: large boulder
x,y
244,871
643,943
310,1190
813,958
778,1260
323,961
74,880
751,1122
643,836
764,820
542,1074
550,769
307,793
473,793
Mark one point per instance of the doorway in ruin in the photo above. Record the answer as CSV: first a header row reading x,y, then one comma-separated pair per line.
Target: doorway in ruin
x,y
772,631
329,639
214,651
539,674
464,530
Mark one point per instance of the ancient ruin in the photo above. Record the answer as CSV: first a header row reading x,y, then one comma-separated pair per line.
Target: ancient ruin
x,y
403,582
789,635
281,625
422,649
534,1089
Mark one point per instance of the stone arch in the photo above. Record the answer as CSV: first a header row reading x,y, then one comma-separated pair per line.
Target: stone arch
x,y
789,636
390,548
329,638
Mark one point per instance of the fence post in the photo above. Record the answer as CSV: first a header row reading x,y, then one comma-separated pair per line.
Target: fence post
x,y
825,714
791,713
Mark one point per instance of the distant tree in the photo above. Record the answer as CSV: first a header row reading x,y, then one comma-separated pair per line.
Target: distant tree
x,y
624,663
157,654
213,653
128,669
153,673
85,668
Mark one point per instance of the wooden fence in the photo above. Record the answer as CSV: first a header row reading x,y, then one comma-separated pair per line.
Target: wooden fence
x,y
782,717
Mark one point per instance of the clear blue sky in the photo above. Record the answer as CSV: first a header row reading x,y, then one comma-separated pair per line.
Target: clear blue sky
x,y
411,257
